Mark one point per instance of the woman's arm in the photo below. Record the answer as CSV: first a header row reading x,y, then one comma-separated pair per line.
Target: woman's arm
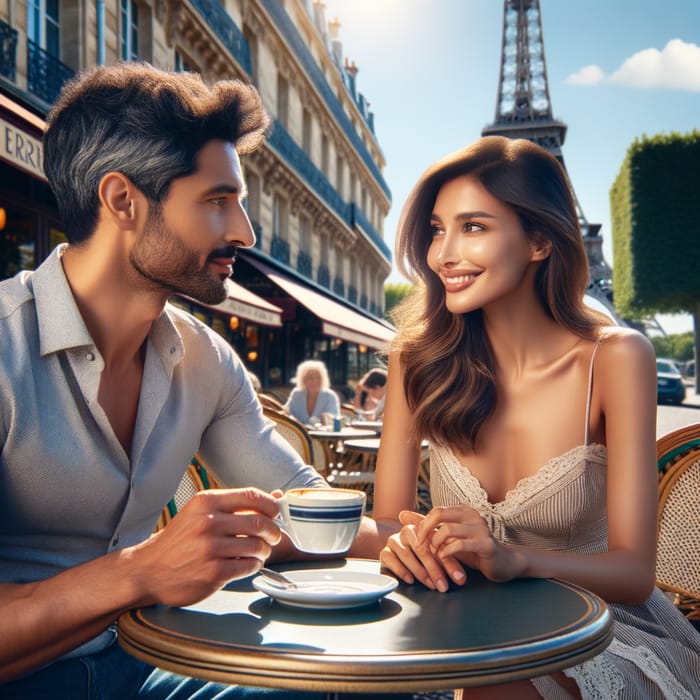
x,y
625,384
396,478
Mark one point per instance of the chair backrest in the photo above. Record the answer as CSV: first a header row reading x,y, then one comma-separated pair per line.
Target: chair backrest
x,y
269,401
675,444
678,527
196,478
293,432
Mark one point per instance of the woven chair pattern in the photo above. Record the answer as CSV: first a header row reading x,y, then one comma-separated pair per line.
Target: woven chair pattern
x,y
678,534
293,432
673,445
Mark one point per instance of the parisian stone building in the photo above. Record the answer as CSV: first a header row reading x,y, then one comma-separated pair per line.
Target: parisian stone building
x,y
313,284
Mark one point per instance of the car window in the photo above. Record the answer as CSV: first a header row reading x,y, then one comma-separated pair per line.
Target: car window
x,y
668,367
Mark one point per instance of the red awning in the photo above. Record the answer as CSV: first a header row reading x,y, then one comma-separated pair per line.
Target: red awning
x,y
338,320
243,303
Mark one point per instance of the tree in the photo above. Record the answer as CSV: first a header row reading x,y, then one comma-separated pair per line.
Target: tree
x,y
655,212
394,292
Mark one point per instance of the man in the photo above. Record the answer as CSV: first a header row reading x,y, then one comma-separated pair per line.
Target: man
x,y
106,392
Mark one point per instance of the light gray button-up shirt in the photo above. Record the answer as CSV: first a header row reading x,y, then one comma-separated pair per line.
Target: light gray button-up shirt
x,y
68,491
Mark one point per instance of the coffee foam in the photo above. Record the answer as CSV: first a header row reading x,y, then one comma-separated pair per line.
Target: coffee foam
x,y
324,494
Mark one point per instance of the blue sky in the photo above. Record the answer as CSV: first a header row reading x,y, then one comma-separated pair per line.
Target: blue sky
x,y
617,70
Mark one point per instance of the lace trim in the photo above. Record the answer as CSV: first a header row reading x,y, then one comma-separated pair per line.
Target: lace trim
x,y
464,483
597,679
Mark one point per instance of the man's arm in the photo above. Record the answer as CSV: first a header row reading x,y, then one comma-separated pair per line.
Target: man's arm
x,y
218,536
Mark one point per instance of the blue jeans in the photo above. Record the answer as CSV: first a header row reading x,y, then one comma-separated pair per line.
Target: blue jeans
x,y
115,675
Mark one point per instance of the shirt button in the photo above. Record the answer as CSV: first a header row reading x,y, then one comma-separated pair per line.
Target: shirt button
x,y
173,351
89,356
115,541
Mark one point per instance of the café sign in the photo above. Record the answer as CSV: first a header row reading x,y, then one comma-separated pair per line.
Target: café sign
x,y
21,149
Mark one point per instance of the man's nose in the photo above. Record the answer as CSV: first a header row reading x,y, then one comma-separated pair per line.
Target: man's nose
x,y
239,230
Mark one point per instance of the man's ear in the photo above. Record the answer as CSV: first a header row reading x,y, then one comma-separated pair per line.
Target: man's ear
x,y
120,199
541,248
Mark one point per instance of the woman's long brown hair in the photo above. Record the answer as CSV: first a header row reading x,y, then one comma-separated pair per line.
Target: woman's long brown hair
x,y
447,358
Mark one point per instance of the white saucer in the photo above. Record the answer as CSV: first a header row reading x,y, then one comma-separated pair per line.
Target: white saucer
x,y
328,588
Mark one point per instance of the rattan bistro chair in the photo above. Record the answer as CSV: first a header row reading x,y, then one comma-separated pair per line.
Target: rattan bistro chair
x,y
293,431
196,478
678,522
674,445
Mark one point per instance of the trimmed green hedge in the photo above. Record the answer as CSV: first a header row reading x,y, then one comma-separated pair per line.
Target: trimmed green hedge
x,y
655,211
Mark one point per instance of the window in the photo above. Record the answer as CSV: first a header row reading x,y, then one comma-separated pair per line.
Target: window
x,y
324,155
306,131
129,30
282,101
339,173
43,25
280,217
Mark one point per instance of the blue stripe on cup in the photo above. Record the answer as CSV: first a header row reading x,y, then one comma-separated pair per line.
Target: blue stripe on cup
x,y
338,513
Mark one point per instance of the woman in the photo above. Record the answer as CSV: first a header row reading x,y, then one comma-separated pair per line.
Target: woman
x,y
540,414
370,394
312,396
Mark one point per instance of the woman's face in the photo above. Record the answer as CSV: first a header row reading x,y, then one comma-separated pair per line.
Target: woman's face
x,y
312,381
479,249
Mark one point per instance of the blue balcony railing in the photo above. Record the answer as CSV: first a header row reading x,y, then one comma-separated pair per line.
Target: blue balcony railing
x,y
226,30
363,301
323,276
352,294
45,73
285,25
279,249
339,286
359,219
258,231
304,266
8,51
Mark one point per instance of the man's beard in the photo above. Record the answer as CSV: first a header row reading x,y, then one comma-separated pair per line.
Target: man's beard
x,y
162,258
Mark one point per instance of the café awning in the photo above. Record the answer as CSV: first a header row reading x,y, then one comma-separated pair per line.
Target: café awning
x,y
337,320
244,304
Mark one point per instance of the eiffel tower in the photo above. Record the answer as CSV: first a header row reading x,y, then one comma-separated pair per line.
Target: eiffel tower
x,y
524,110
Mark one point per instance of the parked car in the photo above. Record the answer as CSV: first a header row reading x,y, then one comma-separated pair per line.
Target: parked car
x,y
669,381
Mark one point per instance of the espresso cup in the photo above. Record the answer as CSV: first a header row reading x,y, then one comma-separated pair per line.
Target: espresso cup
x,y
321,521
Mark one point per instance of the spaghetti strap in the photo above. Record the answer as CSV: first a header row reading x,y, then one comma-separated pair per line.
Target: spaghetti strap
x,y
590,392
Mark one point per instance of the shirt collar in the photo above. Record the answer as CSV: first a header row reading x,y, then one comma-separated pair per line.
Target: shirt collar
x,y
61,325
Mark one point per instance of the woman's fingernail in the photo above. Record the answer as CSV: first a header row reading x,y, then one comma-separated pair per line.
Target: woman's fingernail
x,y
458,576
442,586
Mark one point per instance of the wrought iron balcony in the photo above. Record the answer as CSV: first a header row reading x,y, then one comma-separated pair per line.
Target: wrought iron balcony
x,y
226,29
361,220
279,249
295,155
304,266
339,286
363,301
8,51
45,74
282,21
323,276
352,294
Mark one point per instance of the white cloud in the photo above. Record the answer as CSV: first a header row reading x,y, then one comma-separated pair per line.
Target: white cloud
x,y
588,75
677,67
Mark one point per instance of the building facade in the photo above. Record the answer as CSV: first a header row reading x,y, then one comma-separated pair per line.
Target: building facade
x,y
313,284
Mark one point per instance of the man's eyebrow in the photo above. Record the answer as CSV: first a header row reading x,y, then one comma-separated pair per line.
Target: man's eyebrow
x,y
224,188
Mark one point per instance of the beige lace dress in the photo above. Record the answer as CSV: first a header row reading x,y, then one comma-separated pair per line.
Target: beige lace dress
x,y
656,651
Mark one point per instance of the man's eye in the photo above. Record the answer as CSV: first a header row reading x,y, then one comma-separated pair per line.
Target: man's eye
x,y
218,201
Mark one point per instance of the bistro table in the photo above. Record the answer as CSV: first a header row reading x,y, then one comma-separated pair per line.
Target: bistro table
x,y
413,639
332,441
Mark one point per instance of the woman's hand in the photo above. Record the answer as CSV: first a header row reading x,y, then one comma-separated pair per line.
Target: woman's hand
x,y
412,560
460,534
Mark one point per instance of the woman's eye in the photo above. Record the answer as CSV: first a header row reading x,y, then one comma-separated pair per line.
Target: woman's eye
x,y
471,227
435,230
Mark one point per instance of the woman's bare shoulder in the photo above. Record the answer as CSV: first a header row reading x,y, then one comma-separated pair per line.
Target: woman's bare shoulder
x,y
620,344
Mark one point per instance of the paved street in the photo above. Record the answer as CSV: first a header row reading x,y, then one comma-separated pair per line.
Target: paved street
x,y
671,417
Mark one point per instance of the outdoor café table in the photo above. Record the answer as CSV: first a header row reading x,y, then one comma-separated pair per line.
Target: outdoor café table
x,y
413,639
332,440
375,425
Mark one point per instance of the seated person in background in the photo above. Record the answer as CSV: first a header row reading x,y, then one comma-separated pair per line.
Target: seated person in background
x,y
312,396
370,394
106,391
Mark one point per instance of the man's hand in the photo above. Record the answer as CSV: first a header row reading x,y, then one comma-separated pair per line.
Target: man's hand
x,y
220,535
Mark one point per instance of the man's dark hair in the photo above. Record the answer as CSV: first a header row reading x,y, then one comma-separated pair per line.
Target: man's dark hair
x,y
145,123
